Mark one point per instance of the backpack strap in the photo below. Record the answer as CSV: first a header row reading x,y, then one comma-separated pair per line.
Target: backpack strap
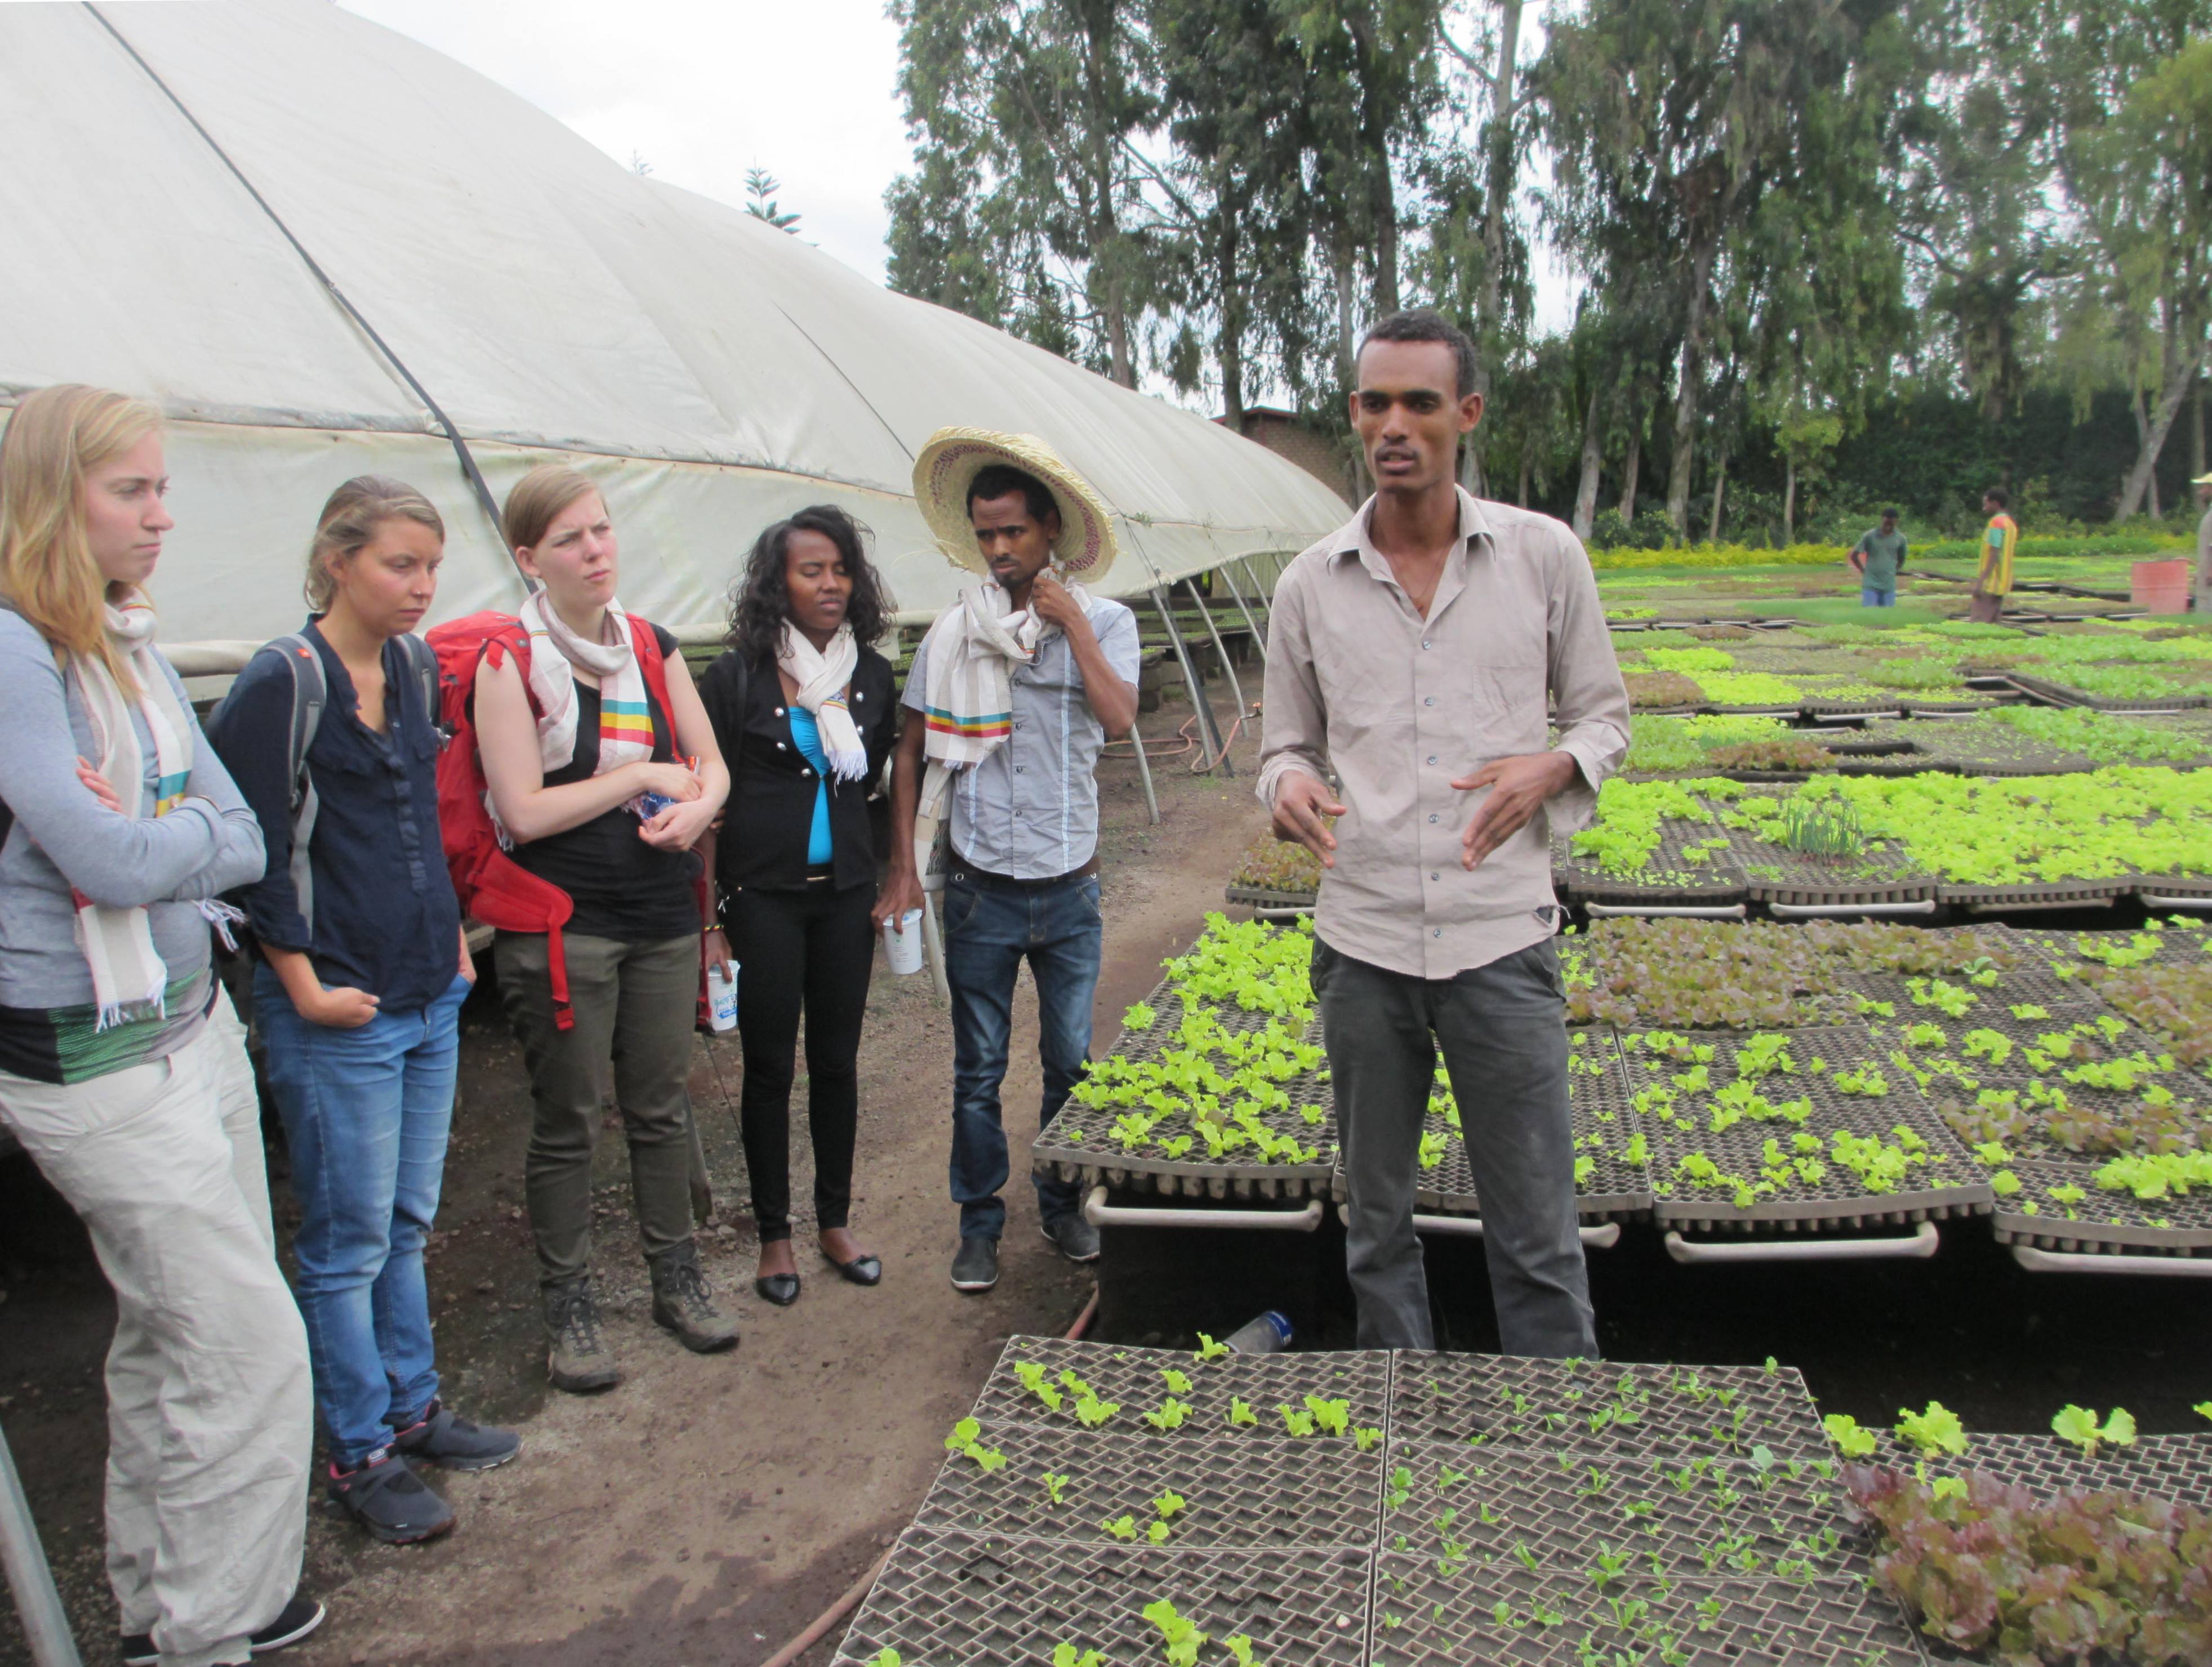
x,y
645,642
310,694
422,661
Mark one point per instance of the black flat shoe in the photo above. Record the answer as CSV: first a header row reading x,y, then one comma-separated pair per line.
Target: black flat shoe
x,y
860,1270
781,1289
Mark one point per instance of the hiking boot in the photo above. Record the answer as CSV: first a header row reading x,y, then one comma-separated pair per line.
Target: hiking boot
x,y
976,1267
683,1303
299,1617
442,1436
577,1357
1075,1237
384,1495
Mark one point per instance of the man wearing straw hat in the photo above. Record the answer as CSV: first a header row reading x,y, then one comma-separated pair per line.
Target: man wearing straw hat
x,y
1422,652
2204,485
1016,689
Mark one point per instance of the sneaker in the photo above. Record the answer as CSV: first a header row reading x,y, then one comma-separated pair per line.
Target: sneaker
x,y
577,1358
442,1436
299,1617
683,1303
1074,1238
384,1495
976,1267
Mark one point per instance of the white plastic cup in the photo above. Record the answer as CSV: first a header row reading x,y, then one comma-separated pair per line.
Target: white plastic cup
x,y
902,943
722,996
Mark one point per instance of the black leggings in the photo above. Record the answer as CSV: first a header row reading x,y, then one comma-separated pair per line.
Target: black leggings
x,y
813,948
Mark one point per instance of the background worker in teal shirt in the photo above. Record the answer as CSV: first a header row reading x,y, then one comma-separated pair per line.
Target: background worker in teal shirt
x,y
1877,558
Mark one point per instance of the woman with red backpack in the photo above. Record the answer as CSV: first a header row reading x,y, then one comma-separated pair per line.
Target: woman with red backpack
x,y
589,782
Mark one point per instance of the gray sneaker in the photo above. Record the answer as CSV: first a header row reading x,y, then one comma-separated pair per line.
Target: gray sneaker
x,y
577,1357
384,1496
683,1303
1074,1238
442,1436
976,1267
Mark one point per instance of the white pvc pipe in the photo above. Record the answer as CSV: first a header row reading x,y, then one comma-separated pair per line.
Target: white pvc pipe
x,y
1716,912
46,1623
1923,1243
1604,1236
1285,912
1818,911
2172,1267
2157,900
1099,1214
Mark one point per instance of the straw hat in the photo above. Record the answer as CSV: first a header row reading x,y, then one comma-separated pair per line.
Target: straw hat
x,y
953,457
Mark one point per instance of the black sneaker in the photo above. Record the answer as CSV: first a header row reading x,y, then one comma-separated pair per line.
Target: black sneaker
x,y
299,1617
976,1267
384,1496
1074,1238
442,1436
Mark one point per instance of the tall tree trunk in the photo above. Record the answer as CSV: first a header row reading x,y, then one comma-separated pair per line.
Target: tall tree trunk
x,y
1498,188
2197,430
1789,499
1685,393
1470,462
1630,468
1229,349
1386,236
1105,230
1346,339
1720,485
1524,476
2159,426
1593,463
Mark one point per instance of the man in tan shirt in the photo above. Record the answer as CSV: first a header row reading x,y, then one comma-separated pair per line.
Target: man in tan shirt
x,y
1413,652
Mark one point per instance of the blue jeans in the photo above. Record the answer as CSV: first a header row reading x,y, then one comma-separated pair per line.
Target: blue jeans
x,y
1870,598
366,1112
989,926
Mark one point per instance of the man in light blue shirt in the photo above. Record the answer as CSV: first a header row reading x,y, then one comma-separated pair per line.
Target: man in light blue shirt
x,y
1022,871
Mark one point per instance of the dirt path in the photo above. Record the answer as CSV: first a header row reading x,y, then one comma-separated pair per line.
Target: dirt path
x,y
707,1509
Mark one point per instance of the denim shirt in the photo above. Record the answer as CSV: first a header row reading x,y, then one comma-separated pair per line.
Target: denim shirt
x,y
386,918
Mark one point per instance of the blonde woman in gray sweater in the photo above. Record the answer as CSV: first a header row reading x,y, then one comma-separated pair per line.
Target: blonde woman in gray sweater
x,y
123,1069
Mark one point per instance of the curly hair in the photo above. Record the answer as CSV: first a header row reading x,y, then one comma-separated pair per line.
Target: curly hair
x,y
760,603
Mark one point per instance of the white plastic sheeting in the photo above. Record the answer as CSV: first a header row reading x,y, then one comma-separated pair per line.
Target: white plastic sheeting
x,y
716,374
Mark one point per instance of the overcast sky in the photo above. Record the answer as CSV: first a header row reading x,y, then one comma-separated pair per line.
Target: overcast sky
x,y
703,90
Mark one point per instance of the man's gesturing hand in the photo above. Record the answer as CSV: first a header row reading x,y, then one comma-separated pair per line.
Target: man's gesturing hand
x,y
1518,787
1300,802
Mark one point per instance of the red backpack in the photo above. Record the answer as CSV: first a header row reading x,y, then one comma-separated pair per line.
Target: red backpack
x,y
492,887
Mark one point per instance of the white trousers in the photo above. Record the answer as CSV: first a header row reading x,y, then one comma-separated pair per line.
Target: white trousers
x,y
209,1410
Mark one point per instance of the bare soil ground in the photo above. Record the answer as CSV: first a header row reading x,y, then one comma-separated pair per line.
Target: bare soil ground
x,y
708,1509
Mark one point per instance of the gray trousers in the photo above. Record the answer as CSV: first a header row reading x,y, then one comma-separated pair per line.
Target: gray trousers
x,y
1503,1031
634,1006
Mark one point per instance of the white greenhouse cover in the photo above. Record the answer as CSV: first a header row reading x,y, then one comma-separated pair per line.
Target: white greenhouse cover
x,y
714,373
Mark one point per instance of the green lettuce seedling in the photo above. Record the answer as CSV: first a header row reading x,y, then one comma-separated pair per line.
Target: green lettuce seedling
x,y
1056,1487
962,1441
1121,1528
1239,1646
1851,1440
1240,1412
1934,1431
1139,1017
885,1657
1182,1637
1298,1423
1064,1655
1176,1383
1170,1416
1210,1350
2079,1426
1332,1417
1366,1435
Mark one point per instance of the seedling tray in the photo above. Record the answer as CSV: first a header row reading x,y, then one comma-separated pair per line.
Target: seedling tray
x,y
1453,1620
1773,875
2102,1221
2171,1467
2046,894
1243,1489
1258,898
1951,1183
953,1599
1668,877
2063,694
1132,1377
1679,1515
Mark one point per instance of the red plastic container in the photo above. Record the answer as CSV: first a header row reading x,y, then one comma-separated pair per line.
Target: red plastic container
x,y
2161,587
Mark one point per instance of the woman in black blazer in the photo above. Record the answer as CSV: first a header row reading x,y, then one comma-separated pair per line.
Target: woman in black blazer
x,y
805,710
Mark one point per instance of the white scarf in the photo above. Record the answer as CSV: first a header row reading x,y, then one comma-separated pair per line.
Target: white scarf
x,y
625,708
824,682
969,691
118,944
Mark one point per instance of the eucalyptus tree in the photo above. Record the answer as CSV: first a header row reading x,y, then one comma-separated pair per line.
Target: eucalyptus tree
x,y
1021,112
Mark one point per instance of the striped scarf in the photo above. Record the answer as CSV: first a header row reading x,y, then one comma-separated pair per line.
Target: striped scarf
x,y
625,709
127,972
969,695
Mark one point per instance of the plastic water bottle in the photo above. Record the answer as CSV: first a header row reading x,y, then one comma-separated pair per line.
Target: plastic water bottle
x,y
1267,1334
722,996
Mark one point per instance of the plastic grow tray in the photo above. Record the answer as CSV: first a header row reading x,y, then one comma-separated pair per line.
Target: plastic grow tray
x,y
1132,1377
2104,1221
1259,897
2039,894
2063,694
979,1601
2171,1467
1952,1184
1667,878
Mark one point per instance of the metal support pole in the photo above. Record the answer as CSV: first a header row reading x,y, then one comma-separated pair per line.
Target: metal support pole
x,y
1145,772
1236,688
1259,636
1209,732
45,1624
1260,592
